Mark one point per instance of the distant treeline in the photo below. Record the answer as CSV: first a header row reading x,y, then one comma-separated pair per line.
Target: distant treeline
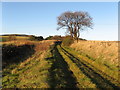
x,y
59,37
10,37
23,35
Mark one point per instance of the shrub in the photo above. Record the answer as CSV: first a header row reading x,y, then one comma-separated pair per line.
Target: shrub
x,y
39,38
34,38
48,38
56,37
67,41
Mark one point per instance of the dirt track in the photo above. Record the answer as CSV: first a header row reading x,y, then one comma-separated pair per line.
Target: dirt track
x,y
59,67
67,77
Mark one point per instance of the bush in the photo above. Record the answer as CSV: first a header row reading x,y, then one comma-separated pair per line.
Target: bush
x,y
34,38
39,38
48,38
56,37
67,41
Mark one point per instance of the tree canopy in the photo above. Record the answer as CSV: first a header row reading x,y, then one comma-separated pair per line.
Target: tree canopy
x,y
74,22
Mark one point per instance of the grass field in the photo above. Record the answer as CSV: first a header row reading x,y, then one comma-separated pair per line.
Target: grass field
x,y
48,64
31,67
7,38
105,52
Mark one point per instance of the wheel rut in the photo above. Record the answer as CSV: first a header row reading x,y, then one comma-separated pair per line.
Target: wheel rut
x,y
60,74
95,77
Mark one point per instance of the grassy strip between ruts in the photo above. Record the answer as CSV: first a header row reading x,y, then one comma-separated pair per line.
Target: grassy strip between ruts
x,y
99,68
37,73
60,74
83,81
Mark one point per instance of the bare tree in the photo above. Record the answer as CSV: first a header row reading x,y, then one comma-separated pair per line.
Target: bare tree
x,y
74,22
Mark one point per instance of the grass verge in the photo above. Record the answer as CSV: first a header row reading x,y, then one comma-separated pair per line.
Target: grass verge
x,y
105,72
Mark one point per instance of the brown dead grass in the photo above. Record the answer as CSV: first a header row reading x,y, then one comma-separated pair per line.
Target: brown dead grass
x,y
23,42
103,51
33,71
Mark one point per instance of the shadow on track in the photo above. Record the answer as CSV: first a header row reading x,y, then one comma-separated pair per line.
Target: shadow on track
x,y
60,74
12,54
96,78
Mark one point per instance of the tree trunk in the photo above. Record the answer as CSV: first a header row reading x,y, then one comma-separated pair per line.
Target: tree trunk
x,y
77,39
75,32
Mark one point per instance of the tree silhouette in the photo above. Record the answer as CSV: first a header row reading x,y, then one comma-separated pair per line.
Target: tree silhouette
x,y
74,22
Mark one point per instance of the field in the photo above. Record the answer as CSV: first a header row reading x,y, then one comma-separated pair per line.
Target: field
x,y
105,52
6,38
49,64
21,57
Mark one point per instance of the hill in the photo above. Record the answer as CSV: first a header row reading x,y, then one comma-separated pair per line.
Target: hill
x,y
10,37
50,64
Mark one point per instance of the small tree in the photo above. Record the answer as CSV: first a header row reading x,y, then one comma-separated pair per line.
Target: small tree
x,y
48,38
34,38
74,22
39,38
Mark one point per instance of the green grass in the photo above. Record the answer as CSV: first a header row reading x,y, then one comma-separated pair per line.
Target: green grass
x,y
104,71
99,60
60,67
83,81
35,73
29,74
60,74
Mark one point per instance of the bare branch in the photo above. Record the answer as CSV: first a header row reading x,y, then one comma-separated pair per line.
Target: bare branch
x,y
74,22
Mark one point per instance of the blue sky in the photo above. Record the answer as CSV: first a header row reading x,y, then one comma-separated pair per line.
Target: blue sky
x,y
40,18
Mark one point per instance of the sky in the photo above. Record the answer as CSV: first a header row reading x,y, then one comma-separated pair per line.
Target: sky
x,y
40,18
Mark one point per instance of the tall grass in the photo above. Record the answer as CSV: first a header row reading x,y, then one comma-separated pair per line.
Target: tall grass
x,y
7,38
30,73
83,81
104,52
104,71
